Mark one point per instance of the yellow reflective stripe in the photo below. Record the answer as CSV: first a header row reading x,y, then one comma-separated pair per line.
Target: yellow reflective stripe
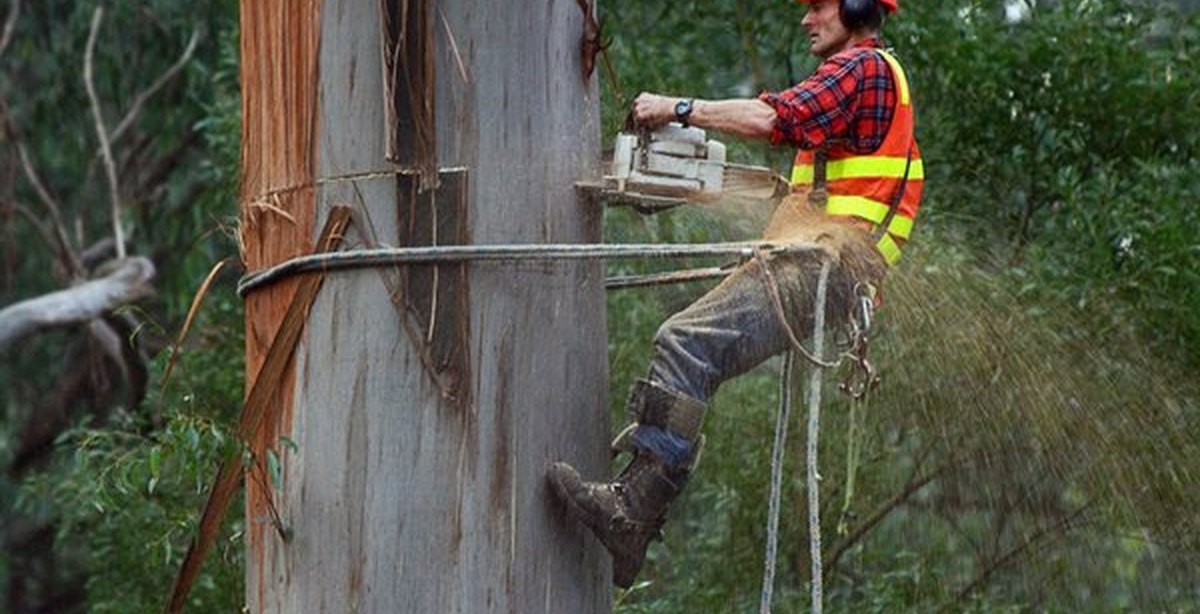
x,y
862,167
802,174
888,249
865,167
868,209
901,80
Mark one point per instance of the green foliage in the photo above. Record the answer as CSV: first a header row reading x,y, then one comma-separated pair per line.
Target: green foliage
x,y
1052,142
126,507
125,495
121,488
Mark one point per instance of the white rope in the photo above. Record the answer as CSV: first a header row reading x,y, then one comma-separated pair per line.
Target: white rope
x,y
781,424
814,426
814,432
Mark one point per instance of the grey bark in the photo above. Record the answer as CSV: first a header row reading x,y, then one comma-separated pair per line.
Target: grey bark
x,y
399,498
128,282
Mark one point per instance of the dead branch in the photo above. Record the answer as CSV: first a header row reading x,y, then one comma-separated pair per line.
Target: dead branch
x,y
110,343
99,252
177,347
110,166
10,24
136,108
128,283
133,357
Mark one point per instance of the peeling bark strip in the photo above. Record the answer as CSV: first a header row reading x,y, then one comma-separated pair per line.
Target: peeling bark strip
x,y
258,411
280,43
409,84
437,297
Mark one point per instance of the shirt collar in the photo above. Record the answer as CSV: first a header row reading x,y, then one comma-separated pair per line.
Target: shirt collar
x,y
873,42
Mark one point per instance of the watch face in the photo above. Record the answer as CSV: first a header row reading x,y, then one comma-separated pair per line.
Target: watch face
x,y
683,109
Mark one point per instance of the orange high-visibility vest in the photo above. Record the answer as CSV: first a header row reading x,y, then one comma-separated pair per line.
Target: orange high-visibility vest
x,y
865,185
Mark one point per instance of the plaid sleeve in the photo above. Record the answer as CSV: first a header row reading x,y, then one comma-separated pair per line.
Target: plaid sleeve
x,y
851,98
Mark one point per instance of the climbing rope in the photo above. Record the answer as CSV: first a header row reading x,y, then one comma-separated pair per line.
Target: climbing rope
x,y
854,443
781,425
814,428
814,431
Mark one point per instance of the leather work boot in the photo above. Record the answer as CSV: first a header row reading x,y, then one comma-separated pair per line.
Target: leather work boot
x,y
629,512
626,514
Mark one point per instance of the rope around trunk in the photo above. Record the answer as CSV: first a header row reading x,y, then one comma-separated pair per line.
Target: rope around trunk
x,y
395,256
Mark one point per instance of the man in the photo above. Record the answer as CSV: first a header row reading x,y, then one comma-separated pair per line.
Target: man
x,y
856,185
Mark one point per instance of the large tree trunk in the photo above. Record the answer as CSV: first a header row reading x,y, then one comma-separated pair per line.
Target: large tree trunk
x,y
426,402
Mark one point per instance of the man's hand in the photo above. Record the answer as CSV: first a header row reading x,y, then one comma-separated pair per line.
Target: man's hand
x,y
652,111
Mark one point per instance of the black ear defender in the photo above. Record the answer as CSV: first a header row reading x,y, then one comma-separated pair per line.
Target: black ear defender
x,y
860,14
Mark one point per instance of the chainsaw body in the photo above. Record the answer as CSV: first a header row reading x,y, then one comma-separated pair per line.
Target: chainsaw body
x,y
671,161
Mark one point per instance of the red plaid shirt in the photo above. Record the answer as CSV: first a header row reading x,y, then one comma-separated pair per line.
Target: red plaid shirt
x,y
851,99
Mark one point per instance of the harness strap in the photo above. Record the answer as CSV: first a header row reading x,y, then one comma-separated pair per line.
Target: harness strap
x,y
818,196
894,206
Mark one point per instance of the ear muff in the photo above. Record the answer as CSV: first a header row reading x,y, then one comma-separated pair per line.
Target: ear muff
x,y
857,14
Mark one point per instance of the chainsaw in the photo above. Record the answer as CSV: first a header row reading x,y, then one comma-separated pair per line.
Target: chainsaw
x,y
676,164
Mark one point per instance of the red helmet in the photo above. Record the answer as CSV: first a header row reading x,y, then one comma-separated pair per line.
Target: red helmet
x,y
891,5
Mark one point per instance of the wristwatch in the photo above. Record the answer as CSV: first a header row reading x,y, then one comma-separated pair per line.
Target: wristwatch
x,y
683,111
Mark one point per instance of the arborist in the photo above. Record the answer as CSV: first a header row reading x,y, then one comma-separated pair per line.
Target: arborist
x,y
856,186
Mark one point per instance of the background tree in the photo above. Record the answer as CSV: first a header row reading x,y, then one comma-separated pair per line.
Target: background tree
x,y
116,142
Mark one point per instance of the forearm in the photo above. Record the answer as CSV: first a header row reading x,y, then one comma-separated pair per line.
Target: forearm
x,y
745,118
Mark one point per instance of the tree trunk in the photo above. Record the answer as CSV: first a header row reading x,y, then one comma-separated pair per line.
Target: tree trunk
x,y
427,401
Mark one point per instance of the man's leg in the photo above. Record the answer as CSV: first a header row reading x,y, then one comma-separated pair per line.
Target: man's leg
x,y
725,333
735,326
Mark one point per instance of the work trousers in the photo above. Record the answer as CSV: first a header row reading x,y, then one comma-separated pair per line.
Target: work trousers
x,y
736,326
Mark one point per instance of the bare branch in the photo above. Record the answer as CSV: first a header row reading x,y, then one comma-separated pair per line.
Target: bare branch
x,y
110,167
914,485
47,234
1063,525
60,230
158,84
110,343
129,282
10,24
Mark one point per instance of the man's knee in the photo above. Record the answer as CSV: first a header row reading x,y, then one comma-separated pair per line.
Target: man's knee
x,y
672,332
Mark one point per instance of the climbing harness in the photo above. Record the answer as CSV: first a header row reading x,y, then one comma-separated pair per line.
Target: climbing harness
x,y
861,377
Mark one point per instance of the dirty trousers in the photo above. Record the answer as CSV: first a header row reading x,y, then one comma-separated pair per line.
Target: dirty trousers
x,y
736,326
